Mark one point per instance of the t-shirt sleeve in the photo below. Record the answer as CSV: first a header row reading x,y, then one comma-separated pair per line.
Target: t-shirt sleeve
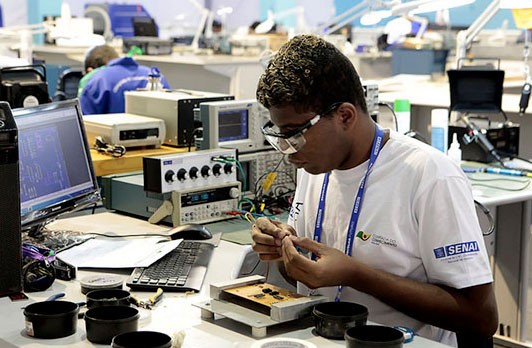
x,y
450,239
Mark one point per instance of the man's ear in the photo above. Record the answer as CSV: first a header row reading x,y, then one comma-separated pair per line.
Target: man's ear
x,y
347,113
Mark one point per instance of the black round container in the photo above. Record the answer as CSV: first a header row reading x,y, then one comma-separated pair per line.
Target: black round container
x,y
371,336
331,319
51,319
103,323
142,339
102,298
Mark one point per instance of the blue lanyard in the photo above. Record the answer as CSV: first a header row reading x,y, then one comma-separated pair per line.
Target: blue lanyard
x,y
375,150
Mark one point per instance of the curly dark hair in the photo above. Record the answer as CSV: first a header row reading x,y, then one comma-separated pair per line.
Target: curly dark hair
x,y
310,74
99,56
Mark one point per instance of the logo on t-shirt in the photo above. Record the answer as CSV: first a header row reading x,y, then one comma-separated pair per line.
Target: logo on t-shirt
x,y
363,235
295,210
456,249
376,239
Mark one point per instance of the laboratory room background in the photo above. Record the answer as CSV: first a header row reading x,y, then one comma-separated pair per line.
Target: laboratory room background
x,y
229,173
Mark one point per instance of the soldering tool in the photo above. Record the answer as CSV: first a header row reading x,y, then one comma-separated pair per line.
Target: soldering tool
x,y
496,170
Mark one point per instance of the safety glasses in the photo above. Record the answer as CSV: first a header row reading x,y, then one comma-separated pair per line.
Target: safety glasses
x,y
292,141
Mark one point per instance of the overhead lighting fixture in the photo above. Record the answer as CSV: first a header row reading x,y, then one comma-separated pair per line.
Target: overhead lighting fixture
x,y
268,24
370,12
425,6
374,17
515,4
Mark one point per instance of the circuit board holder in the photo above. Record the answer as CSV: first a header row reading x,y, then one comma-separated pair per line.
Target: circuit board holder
x,y
240,300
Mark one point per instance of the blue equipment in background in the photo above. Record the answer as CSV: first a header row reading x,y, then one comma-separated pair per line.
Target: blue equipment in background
x,y
115,19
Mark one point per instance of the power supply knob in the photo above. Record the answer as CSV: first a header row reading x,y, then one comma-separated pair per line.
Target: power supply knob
x,y
169,176
193,173
205,171
182,174
217,169
234,192
228,168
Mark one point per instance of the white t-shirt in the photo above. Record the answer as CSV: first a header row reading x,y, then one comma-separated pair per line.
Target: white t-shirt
x,y
417,221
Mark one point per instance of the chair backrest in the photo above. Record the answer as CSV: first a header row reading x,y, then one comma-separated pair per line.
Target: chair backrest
x,y
67,84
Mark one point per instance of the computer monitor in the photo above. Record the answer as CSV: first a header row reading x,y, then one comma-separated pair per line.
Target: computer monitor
x,y
56,171
233,124
144,26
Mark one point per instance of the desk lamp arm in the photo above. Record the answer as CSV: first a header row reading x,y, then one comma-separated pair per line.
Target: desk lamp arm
x,y
465,37
352,12
205,13
25,35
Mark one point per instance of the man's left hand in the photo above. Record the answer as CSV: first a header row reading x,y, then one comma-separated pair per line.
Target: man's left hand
x,y
330,267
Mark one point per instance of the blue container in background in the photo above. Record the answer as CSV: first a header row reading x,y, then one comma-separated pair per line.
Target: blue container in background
x,y
418,62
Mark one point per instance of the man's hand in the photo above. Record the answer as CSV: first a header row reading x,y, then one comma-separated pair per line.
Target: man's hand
x,y
267,236
330,268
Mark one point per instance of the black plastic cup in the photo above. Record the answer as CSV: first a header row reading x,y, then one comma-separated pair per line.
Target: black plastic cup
x,y
51,319
371,336
331,319
142,339
108,297
103,323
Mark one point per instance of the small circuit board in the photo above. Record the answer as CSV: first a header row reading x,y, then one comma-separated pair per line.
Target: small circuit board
x,y
263,293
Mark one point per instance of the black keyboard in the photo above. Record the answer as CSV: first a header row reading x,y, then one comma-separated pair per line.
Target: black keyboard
x,y
182,269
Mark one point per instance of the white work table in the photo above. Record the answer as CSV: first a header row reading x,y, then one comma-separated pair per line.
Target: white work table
x,y
425,95
509,199
219,73
233,75
175,313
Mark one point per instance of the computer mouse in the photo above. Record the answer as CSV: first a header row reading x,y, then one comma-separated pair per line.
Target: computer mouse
x,y
190,231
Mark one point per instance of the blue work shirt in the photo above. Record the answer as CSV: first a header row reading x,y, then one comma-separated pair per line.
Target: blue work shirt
x,y
104,92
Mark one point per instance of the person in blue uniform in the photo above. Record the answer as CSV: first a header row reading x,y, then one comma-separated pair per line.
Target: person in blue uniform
x,y
96,58
104,91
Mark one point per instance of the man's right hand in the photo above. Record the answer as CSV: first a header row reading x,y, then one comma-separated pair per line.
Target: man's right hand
x,y
267,236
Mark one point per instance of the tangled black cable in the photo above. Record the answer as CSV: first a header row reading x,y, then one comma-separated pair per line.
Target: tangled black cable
x,y
108,149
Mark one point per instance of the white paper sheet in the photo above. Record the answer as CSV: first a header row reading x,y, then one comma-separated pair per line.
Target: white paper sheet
x,y
118,253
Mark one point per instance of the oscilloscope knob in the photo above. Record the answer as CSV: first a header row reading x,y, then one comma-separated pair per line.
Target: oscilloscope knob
x,y
169,176
217,169
193,173
234,192
228,168
182,174
205,171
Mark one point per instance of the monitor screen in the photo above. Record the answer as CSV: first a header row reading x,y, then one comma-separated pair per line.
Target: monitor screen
x,y
56,172
144,26
476,90
233,124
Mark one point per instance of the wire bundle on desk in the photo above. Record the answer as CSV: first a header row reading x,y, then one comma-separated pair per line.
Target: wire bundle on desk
x,y
274,202
262,203
113,150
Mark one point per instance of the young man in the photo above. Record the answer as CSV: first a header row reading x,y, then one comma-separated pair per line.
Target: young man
x,y
96,58
388,221
103,93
